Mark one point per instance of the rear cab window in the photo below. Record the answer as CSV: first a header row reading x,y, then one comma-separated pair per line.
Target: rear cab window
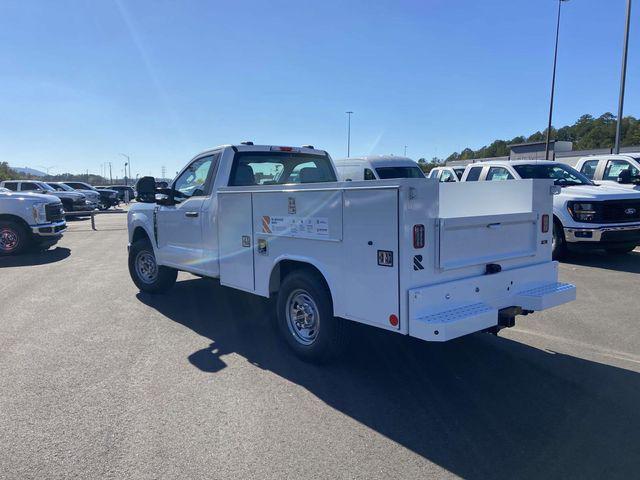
x,y
499,173
589,168
280,168
385,173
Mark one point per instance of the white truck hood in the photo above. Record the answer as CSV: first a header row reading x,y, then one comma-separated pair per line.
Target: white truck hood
x,y
599,192
29,197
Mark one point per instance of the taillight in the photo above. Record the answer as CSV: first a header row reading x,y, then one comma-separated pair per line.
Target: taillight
x,y
545,223
418,236
284,149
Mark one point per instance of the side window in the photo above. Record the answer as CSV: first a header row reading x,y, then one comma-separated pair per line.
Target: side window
x,y
11,186
28,186
499,173
588,168
368,174
447,176
433,174
474,174
614,167
194,181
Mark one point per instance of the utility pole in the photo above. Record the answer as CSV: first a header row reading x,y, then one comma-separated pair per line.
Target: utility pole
x,y
553,81
623,78
349,133
405,150
110,175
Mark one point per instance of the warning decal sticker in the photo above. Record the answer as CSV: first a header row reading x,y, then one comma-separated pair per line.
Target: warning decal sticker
x,y
293,226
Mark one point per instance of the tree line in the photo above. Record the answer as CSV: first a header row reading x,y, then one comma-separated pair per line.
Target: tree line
x,y
586,133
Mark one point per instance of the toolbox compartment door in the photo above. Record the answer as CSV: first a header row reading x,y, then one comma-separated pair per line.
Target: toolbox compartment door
x,y
235,237
477,240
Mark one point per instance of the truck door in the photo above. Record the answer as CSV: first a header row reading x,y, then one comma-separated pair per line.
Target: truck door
x,y
179,226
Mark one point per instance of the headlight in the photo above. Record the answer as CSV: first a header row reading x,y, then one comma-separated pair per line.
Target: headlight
x,y
582,212
39,212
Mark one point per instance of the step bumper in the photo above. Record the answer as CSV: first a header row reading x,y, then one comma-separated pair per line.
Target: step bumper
x,y
443,312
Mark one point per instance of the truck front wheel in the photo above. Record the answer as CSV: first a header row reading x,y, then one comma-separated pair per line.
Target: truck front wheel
x,y
13,238
558,243
145,271
305,318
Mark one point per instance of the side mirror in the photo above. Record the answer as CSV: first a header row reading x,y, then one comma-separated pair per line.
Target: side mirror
x,y
625,177
146,188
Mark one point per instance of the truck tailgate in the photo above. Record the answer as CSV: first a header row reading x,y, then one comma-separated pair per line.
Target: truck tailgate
x,y
477,240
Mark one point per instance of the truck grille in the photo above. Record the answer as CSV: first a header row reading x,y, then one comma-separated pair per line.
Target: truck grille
x,y
620,211
53,212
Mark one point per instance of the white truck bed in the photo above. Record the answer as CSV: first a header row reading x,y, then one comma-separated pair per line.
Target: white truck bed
x,y
345,230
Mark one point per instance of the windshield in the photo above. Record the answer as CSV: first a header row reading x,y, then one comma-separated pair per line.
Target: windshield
x,y
46,186
562,175
399,172
79,186
278,168
60,186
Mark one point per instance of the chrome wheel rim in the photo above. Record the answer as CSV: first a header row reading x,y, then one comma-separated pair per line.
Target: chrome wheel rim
x,y
9,240
303,318
146,267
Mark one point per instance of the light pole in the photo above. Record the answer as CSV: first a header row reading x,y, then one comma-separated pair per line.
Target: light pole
x,y
553,81
125,167
349,133
405,150
623,77
46,168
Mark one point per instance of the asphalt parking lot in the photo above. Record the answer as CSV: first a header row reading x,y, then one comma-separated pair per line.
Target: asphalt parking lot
x,y
100,381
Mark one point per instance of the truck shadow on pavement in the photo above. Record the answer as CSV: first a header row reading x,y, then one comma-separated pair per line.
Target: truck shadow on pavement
x,y
36,258
480,407
629,262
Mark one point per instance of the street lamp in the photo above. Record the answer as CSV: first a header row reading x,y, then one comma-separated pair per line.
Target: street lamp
x,y
125,168
46,168
349,133
405,150
553,81
623,77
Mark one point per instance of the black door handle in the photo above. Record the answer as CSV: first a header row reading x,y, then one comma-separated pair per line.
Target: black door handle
x,y
191,214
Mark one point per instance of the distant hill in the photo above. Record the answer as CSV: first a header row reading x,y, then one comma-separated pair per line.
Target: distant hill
x,y
29,171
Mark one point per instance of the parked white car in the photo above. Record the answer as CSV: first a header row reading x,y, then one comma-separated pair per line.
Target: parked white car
x,y
29,220
447,174
584,214
621,170
377,167
413,256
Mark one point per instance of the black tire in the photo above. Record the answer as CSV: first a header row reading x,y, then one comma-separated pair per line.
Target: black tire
x,y
14,238
158,282
558,244
67,205
324,337
620,250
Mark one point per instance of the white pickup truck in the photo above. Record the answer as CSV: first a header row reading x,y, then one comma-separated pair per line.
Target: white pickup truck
x,y
621,170
585,215
414,256
29,220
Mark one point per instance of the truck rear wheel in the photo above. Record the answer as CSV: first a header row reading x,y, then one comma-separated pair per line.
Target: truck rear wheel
x,y
14,238
145,271
305,318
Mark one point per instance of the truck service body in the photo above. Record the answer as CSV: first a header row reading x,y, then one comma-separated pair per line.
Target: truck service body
x,y
422,258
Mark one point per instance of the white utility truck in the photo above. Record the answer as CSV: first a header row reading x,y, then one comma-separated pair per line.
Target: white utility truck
x,y
414,256
585,214
377,167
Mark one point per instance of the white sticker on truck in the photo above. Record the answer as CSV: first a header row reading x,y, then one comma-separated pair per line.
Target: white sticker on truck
x,y
294,226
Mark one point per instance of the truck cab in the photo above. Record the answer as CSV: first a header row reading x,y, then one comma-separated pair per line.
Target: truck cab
x,y
377,167
614,170
447,174
274,221
585,214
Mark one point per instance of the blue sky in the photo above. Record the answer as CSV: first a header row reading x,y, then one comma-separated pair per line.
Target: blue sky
x,y
82,81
